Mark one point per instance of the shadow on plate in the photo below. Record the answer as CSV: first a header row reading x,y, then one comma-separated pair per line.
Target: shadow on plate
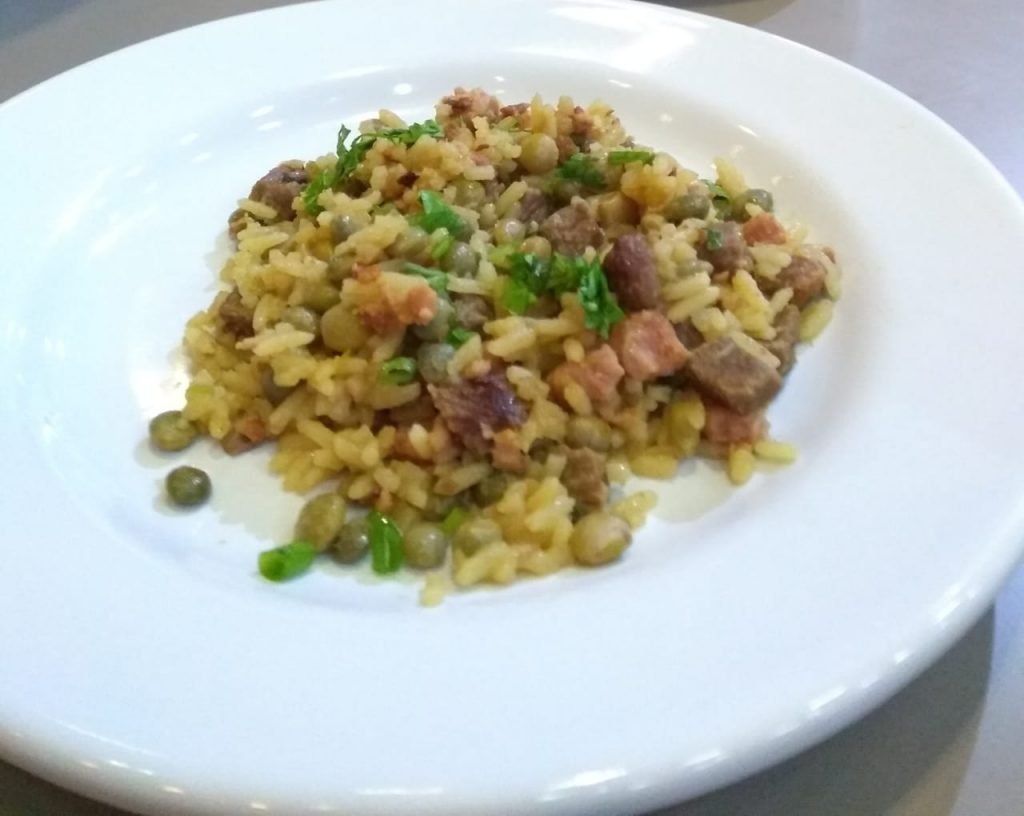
x,y
920,741
749,12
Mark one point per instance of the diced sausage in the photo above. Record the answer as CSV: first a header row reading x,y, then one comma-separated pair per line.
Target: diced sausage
x,y
805,276
632,274
724,426
236,316
598,375
474,410
472,311
723,247
585,477
279,187
733,375
572,229
764,228
647,346
787,333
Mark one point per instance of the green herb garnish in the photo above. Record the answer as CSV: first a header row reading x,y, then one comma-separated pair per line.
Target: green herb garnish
x,y
714,239
600,309
618,157
286,561
437,214
397,371
453,521
720,199
459,336
437,279
581,167
349,158
386,542
531,276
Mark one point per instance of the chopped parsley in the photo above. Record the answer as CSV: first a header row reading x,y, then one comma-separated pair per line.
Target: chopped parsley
x,y
286,561
397,371
437,279
720,199
440,243
437,214
531,276
618,157
583,168
459,336
349,158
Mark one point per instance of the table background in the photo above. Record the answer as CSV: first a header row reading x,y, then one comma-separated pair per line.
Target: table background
x,y
952,743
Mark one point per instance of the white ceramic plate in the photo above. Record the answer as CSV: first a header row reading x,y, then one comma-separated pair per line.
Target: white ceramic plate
x,y
146,664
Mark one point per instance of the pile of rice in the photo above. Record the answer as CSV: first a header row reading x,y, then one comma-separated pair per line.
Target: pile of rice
x,y
337,425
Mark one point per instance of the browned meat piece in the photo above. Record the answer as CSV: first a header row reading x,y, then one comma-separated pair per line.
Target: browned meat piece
x,y
279,187
237,317
585,476
582,125
724,426
647,346
566,147
805,276
724,248
734,376
507,454
598,375
572,229
472,311
689,335
632,274
534,206
787,333
764,228
518,110
467,105
474,410
420,410
247,432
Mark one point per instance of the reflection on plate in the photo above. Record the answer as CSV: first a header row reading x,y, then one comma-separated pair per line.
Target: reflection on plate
x,y
146,665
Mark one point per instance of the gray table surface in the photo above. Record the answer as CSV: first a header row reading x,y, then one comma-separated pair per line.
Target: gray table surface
x,y
952,743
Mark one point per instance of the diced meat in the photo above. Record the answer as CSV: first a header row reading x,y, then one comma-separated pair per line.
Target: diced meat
x,y
764,228
466,105
534,206
247,432
585,476
472,311
420,410
632,273
572,229
733,375
647,346
566,146
724,426
598,375
279,187
787,333
582,125
805,276
236,316
689,335
519,111
507,454
474,410
724,248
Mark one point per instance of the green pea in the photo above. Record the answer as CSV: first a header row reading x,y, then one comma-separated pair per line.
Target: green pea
x,y
343,227
461,260
688,205
425,545
539,154
476,533
187,486
440,323
342,330
491,488
321,296
756,196
432,362
353,541
301,318
599,538
170,431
